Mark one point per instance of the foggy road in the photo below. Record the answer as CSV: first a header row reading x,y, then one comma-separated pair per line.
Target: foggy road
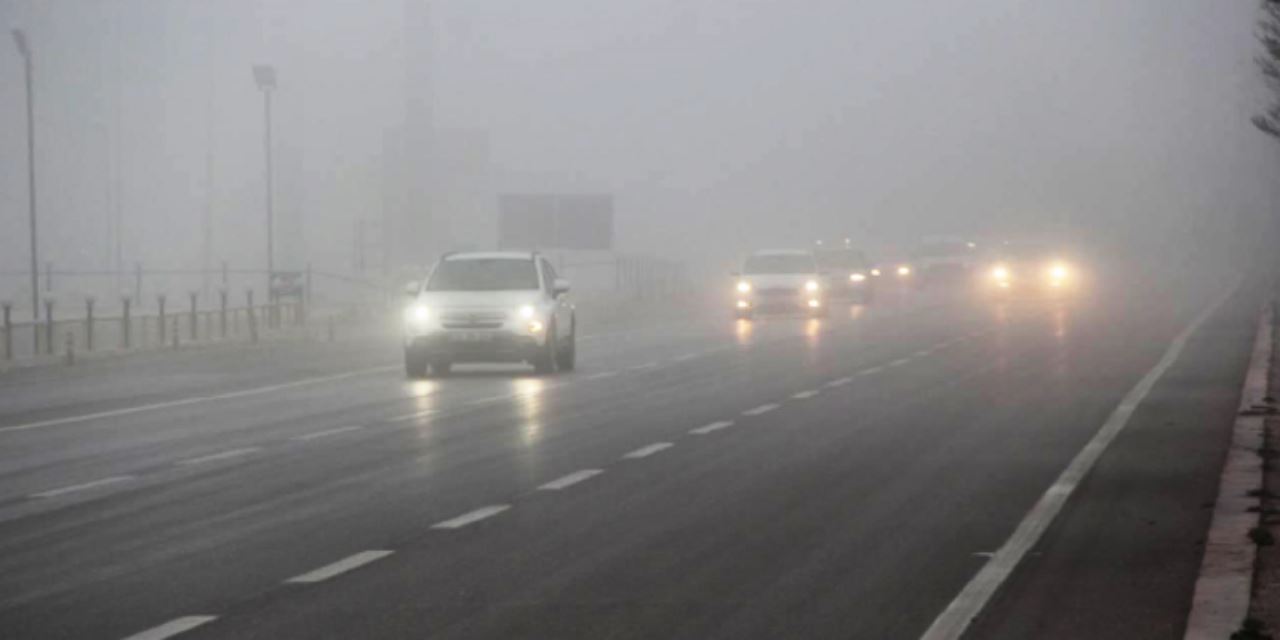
x,y
697,477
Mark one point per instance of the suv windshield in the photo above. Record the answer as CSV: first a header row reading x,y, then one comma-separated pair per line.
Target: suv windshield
x,y
780,263
842,259
488,274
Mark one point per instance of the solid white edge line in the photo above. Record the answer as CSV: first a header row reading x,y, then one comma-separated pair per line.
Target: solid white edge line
x,y
53,493
172,628
222,455
564,482
955,619
762,409
602,375
185,401
714,426
1224,585
471,517
327,432
648,450
340,567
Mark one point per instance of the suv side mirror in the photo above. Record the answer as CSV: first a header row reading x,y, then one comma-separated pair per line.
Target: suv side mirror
x,y
411,288
559,287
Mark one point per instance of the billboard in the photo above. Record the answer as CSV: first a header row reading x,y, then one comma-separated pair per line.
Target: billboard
x,y
579,221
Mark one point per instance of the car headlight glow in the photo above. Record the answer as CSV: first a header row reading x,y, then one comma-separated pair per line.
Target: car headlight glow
x,y
535,327
875,272
526,312
857,277
1058,272
417,315
811,286
904,270
744,286
1000,273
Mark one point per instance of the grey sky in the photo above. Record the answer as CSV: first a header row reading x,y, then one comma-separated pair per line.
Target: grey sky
x,y
719,123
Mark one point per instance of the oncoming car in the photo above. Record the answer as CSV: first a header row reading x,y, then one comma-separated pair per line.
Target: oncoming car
x,y
1028,268
780,280
849,274
489,307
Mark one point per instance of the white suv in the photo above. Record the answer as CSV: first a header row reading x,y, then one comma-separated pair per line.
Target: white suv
x,y
489,307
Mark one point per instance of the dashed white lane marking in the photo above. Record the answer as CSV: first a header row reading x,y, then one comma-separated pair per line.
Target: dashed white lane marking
x,y
327,432
838,382
687,356
186,401
422,414
222,455
714,426
762,409
172,628
870,371
340,567
471,517
642,367
61,491
922,353
899,362
646,451
804,395
955,619
570,480
602,375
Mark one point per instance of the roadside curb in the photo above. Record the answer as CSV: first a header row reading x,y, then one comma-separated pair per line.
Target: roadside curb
x,y
1222,591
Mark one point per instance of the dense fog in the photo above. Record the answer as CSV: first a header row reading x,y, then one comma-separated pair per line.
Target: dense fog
x,y
718,126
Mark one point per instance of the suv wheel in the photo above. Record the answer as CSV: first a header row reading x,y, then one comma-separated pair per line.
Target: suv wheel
x,y
567,356
415,364
545,361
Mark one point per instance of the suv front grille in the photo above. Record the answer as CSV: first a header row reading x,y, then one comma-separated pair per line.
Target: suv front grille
x,y
473,319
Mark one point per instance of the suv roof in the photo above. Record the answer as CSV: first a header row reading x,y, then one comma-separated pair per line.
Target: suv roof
x,y
492,255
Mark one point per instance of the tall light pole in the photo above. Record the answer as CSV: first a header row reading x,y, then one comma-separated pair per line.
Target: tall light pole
x,y
20,39
265,76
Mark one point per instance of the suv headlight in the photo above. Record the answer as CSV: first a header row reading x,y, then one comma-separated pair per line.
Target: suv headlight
x,y
811,286
526,312
857,277
417,316
744,286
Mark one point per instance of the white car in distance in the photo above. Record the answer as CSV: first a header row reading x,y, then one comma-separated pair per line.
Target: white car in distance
x,y
780,280
489,307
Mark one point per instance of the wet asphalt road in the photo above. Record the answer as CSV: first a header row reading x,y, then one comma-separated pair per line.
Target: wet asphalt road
x,y
697,477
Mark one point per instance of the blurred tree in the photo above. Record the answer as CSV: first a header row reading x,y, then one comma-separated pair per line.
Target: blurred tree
x,y
1269,62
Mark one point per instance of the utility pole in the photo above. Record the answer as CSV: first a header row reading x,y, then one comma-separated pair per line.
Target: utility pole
x,y
265,76
24,49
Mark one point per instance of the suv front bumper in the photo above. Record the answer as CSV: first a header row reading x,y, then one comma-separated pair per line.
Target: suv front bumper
x,y
476,346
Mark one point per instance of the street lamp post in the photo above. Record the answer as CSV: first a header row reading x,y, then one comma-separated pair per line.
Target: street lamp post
x,y
20,39
265,76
